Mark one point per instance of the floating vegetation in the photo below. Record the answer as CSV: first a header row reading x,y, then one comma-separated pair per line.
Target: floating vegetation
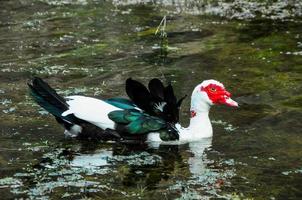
x,y
227,126
52,172
33,25
297,171
207,181
140,159
65,2
5,102
10,110
295,53
238,9
62,168
80,90
86,173
55,70
10,182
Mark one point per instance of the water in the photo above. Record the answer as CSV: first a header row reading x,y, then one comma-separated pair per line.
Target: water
x,y
91,47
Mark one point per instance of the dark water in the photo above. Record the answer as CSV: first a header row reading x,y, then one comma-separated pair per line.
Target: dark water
x,y
91,47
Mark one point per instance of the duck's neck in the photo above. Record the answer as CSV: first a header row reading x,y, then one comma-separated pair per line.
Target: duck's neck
x,y
200,124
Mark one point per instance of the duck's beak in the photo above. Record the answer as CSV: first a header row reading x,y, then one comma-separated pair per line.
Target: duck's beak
x,y
230,102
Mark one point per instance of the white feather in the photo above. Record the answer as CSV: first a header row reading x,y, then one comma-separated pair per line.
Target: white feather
x,y
91,110
74,131
153,137
160,106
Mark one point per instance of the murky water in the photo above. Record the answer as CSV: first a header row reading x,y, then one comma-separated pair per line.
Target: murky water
x,y
91,47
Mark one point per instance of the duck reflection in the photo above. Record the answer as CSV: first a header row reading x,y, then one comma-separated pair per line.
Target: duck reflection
x,y
196,161
146,165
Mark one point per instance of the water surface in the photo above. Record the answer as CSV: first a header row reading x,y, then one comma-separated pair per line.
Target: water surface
x,y
92,47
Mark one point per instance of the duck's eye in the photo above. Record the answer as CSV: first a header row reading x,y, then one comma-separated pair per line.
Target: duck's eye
x,y
213,89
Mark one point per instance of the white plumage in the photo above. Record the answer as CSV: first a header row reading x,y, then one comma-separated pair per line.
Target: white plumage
x,y
91,110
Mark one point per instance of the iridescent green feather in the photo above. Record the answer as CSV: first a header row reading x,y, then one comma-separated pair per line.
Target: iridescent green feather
x,y
145,124
137,122
124,116
153,123
121,103
132,115
135,127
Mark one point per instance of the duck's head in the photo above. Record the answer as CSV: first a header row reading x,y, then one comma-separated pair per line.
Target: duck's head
x,y
211,92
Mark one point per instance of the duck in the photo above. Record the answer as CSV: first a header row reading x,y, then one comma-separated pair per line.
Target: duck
x,y
148,115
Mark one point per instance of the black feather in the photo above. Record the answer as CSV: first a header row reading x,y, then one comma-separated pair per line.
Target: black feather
x,y
67,125
139,94
156,89
48,99
41,88
169,95
157,94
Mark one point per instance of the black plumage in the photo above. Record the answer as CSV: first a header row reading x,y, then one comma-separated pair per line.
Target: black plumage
x,y
158,100
139,94
156,89
47,97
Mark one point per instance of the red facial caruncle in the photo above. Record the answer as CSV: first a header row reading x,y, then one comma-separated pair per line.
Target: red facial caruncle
x,y
193,113
218,95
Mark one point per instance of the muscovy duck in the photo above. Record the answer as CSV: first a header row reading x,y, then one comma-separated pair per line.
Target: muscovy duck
x,y
150,115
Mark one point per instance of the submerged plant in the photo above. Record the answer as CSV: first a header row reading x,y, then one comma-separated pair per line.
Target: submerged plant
x,y
161,30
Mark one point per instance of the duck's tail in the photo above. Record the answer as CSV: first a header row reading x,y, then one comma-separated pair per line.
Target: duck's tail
x,y
51,101
47,97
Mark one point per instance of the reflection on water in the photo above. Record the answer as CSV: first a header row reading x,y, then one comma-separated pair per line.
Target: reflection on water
x,y
104,157
98,159
196,162
73,169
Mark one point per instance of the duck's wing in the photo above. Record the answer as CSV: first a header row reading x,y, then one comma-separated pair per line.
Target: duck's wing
x,y
134,122
157,89
158,101
172,107
140,95
121,103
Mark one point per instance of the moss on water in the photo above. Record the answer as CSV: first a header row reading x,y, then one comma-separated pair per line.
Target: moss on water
x,y
295,102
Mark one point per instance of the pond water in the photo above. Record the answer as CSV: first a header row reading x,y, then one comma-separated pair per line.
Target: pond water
x,y
92,46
